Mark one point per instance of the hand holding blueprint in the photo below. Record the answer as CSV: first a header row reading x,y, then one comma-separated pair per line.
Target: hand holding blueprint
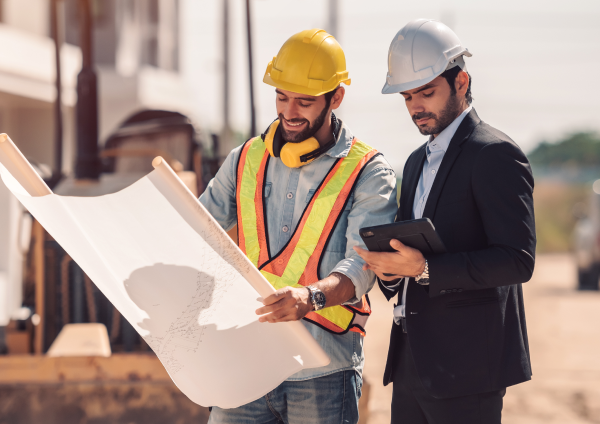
x,y
175,275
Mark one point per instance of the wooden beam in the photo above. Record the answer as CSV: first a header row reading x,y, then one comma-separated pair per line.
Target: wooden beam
x,y
40,292
26,369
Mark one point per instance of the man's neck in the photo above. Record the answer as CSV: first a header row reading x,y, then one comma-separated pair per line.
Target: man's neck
x,y
465,107
325,133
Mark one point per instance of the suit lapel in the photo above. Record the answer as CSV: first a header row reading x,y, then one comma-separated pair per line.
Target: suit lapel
x,y
407,197
461,135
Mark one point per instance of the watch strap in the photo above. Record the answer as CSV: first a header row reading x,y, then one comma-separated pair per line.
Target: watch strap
x,y
423,279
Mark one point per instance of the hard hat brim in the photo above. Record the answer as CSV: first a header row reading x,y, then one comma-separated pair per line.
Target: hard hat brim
x,y
299,88
398,88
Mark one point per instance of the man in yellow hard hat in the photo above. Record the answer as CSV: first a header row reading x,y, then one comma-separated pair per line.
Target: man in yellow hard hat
x,y
299,194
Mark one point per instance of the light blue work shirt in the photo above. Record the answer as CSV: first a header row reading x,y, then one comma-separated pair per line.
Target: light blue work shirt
x,y
287,193
435,149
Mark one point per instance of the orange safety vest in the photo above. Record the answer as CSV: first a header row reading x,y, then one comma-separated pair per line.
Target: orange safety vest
x,y
298,263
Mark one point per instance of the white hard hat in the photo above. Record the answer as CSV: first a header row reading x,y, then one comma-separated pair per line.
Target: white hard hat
x,y
420,52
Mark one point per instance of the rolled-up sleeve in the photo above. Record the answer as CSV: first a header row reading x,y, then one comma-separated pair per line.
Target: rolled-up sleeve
x,y
374,204
219,197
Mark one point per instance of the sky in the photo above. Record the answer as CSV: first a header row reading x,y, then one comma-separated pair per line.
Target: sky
x,y
534,66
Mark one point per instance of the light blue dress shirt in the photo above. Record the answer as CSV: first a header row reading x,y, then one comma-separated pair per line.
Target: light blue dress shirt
x,y
287,193
436,149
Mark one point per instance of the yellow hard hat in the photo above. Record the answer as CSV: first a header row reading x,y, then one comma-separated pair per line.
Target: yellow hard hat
x,y
311,62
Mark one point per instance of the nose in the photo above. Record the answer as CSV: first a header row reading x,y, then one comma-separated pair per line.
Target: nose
x,y
289,110
415,106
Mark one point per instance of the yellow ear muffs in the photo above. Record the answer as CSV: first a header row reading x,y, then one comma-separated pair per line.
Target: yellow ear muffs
x,y
269,135
293,155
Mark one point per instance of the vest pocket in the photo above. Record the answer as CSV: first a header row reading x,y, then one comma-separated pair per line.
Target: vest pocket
x,y
267,190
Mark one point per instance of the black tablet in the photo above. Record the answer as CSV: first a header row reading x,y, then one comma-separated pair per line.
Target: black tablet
x,y
417,233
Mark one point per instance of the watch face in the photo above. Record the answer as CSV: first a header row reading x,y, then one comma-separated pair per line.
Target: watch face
x,y
319,298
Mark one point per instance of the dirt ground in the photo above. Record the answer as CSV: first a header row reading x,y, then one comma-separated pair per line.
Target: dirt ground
x,y
564,336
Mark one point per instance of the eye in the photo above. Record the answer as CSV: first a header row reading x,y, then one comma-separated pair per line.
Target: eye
x,y
282,99
428,94
304,105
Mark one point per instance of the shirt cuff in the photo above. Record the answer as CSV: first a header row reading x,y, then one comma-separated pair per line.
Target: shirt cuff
x,y
363,280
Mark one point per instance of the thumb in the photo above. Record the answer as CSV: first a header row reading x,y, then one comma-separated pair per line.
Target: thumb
x,y
397,245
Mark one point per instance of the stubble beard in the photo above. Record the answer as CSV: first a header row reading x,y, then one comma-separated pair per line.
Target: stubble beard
x,y
447,115
308,132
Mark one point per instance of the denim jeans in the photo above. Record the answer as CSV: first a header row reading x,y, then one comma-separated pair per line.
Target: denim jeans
x,y
330,399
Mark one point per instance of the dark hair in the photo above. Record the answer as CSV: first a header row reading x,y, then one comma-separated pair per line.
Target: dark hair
x,y
329,95
450,76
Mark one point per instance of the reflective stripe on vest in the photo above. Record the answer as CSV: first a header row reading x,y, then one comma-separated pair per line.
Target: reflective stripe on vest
x,y
298,263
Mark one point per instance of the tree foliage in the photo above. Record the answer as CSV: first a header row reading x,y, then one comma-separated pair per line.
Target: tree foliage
x,y
578,149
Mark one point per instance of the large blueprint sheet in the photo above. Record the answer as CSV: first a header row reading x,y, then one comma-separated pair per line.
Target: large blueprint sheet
x,y
173,273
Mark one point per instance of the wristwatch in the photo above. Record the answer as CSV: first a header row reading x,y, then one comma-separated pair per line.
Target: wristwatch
x,y
317,298
423,279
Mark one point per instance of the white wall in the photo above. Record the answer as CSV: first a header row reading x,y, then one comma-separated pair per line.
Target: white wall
x,y
11,259
29,15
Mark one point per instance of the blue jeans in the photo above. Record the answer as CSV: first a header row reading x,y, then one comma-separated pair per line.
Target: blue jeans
x,y
330,399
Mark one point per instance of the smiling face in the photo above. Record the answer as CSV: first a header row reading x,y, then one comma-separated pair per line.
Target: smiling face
x,y
434,106
303,116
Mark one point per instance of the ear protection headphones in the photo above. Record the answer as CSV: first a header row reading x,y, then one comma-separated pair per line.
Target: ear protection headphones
x,y
295,155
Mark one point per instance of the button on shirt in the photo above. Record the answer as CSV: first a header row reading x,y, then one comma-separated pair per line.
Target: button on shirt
x,y
435,149
287,192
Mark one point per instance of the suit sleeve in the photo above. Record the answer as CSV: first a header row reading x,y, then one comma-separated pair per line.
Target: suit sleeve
x,y
502,186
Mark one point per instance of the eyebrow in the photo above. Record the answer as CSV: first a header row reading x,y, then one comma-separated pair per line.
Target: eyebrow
x,y
425,87
306,99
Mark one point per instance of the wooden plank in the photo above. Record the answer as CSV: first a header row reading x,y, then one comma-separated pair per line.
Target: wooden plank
x,y
40,292
127,367
98,403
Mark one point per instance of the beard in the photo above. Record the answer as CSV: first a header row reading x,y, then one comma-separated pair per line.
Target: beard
x,y
306,133
447,115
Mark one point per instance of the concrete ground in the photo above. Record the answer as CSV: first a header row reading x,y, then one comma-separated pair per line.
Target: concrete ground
x,y
564,336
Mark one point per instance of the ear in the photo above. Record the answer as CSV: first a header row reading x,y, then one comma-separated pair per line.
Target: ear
x,y
338,97
461,83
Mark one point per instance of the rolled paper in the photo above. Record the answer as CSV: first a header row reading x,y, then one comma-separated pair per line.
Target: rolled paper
x,y
20,168
187,198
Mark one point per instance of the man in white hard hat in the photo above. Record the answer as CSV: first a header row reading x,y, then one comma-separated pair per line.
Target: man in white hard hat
x,y
459,337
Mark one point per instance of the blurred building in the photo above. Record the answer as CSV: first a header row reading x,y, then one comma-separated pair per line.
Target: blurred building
x,y
136,51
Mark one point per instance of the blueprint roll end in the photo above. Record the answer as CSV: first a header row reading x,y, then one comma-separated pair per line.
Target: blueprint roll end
x,y
157,161
3,137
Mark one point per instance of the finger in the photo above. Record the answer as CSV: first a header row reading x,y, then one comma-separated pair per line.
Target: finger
x,y
286,318
275,316
365,254
397,245
376,259
285,302
277,296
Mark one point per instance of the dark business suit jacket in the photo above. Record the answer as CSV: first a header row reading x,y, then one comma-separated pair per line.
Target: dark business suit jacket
x,y
467,329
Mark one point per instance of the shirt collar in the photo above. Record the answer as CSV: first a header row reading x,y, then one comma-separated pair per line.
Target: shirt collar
x,y
343,143
442,141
